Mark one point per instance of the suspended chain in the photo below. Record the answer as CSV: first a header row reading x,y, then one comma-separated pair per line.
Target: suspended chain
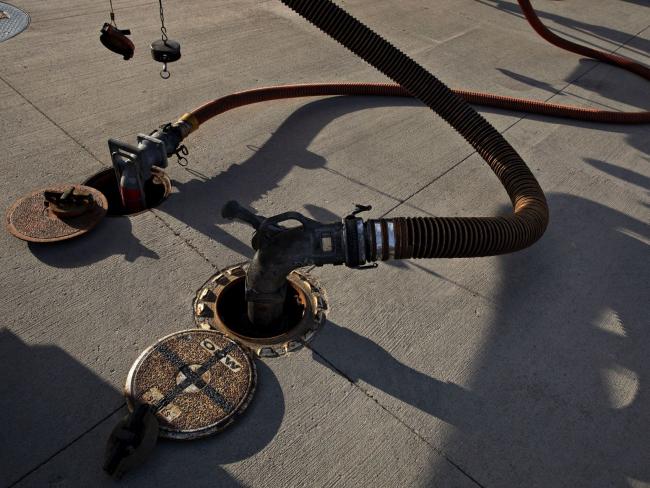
x,y
112,14
163,29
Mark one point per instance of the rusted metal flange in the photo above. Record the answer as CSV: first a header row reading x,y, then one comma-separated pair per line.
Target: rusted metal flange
x,y
199,381
220,305
42,216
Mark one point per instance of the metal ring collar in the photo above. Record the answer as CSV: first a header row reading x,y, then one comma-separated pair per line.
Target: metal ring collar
x,y
391,239
378,240
362,242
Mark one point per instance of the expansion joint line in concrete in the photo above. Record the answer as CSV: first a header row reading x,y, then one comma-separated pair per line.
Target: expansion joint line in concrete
x,y
436,449
69,444
195,249
53,122
561,91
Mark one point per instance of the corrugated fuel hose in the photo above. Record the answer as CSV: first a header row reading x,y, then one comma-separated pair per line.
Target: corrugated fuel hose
x,y
438,237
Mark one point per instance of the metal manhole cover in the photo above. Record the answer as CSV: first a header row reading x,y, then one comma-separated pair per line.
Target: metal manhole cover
x,y
199,381
32,219
12,21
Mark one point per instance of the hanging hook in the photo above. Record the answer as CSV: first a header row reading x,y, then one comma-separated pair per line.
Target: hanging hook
x,y
180,153
112,14
165,74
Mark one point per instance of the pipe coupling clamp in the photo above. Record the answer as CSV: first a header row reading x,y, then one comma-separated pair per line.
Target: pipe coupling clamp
x,y
354,242
379,240
382,239
390,225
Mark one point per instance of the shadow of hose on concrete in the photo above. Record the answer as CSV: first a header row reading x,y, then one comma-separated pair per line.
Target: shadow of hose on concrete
x,y
197,202
602,32
560,390
564,372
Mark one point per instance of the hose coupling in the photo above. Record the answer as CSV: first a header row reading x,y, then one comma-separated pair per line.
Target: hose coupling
x,y
364,241
133,164
281,249
381,239
374,240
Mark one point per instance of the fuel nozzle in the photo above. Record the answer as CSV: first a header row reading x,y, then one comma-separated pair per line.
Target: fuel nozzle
x,y
280,248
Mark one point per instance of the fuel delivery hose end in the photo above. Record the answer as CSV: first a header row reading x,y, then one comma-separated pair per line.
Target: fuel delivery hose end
x,y
188,124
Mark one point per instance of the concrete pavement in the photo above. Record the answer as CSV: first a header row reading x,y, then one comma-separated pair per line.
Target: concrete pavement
x,y
522,370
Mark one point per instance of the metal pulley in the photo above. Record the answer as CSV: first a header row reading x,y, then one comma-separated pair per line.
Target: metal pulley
x,y
165,51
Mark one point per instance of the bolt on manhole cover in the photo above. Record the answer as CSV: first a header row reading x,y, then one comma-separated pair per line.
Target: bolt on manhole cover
x,y
12,21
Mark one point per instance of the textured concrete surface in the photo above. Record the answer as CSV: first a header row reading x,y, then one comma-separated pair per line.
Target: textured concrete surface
x,y
522,370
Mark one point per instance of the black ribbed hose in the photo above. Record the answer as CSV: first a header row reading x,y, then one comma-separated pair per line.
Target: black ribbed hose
x,y
436,237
